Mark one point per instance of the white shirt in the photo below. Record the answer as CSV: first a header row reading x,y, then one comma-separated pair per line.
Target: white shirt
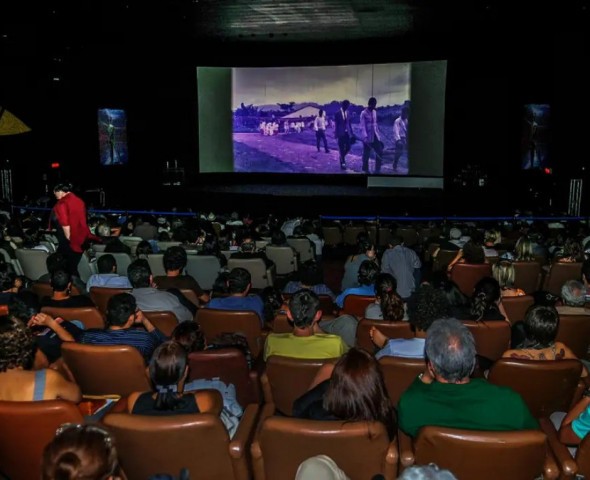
x,y
319,123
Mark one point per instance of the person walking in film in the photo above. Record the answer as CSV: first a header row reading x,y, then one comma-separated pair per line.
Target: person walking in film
x,y
400,135
319,125
370,136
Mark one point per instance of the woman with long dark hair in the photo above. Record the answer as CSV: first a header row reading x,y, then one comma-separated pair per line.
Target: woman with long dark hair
x,y
352,390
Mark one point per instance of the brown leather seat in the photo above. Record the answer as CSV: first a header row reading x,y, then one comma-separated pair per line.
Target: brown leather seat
x,y
286,379
190,295
229,364
516,307
44,289
546,386
149,445
356,304
442,259
574,331
215,322
399,373
26,428
527,276
89,316
164,321
101,295
360,449
474,454
583,458
389,329
492,338
106,370
559,273
466,275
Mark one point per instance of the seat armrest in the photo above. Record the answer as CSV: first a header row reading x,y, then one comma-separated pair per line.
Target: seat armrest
x,y
560,452
271,275
391,460
406,449
242,437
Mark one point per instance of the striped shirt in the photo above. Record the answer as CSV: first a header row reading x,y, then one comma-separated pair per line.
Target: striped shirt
x,y
146,342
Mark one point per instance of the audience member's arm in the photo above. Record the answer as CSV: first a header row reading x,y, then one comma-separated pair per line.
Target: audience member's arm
x,y
580,413
49,322
324,373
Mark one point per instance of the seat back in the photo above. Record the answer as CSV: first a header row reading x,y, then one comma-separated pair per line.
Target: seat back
x,y
261,276
89,316
385,236
442,260
26,428
466,275
42,289
527,276
214,322
285,259
399,373
516,307
389,329
101,295
148,445
163,320
156,263
361,449
163,246
86,267
546,386
332,236
351,233
286,379
32,262
204,269
230,366
304,246
123,261
492,338
559,273
409,234
583,457
106,370
574,331
473,454
357,304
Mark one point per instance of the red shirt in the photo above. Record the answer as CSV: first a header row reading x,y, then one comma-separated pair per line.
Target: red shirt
x,y
71,211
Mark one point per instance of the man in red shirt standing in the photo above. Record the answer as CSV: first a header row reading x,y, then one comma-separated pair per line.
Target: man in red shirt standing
x,y
70,215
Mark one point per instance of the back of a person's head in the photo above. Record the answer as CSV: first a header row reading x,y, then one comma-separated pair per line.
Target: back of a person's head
x,y
357,391
7,277
144,248
304,305
540,325
573,293
60,279
426,472
24,305
17,347
486,293
56,261
238,280
103,230
364,243
278,238
586,271
119,308
106,263
80,452
427,305
392,306
473,252
367,272
272,298
450,349
524,249
139,273
190,336
63,187
175,258
167,368
310,273
505,273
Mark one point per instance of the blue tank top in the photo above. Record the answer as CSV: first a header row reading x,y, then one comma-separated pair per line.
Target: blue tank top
x,y
39,387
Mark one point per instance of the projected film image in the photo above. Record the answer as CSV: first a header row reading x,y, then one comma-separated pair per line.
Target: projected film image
x,y
324,120
535,137
112,136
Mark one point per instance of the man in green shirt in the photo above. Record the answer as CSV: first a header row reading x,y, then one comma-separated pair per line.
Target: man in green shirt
x,y
445,395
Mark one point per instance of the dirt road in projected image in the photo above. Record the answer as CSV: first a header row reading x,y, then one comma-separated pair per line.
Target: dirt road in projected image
x,y
297,153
